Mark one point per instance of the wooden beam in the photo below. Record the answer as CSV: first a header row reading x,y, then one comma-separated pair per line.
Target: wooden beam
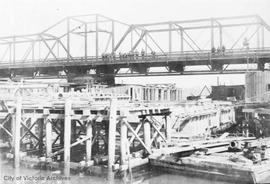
x,y
139,139
123,142
16,135
168,129
89,132
67,136
147,134
112,132
48,130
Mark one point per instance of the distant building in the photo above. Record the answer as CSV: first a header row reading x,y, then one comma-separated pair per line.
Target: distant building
x,y
232,92
258,87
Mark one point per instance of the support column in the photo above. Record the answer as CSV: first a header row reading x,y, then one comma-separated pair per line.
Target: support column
x,y
262,36
85,42
16,133
48,128
147,133
123,141
220,37
40,125
212,34
68,39
67,136
168,129
170,39
182,41
89,132
97,45
112,133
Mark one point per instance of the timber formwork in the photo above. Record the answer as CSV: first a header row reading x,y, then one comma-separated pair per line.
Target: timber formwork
x,y
83,135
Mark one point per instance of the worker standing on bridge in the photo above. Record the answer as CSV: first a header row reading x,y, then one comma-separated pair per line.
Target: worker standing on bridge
x,y
213,50
120,55
153,53
223,50
136,54
142,53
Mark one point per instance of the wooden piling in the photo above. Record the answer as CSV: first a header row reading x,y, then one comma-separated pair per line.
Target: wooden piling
x,y
89,132
16,133
147,133
40,145
123,141
67,135
48,127
112,133
168,129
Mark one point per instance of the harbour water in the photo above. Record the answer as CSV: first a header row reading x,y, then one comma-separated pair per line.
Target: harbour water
x,y
35,176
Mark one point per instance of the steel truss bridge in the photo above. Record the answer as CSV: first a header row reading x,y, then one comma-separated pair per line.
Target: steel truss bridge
x,y
103,47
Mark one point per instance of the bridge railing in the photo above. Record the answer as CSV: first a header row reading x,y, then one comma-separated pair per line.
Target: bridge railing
x,y
118,59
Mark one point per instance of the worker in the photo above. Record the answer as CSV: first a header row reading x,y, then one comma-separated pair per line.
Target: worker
x,y
120,55
218,50
136,54
213,50
153,53
131,55
223,50
142,53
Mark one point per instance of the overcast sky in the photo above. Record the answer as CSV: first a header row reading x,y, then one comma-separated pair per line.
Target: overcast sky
x,y
31,16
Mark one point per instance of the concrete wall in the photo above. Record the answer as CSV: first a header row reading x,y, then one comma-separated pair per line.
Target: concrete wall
x,y
257,87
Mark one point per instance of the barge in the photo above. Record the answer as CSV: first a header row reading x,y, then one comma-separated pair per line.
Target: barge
x,y
249,164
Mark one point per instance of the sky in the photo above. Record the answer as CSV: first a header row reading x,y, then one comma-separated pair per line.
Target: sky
x,y
32,16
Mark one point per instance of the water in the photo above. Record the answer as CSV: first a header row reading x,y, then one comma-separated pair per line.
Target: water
x,y
9,175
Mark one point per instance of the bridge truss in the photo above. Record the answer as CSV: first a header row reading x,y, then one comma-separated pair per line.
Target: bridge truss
x,y
101,46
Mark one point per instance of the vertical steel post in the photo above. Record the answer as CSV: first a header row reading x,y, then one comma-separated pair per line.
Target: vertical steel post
x,y
14,49
220,37
170,38
96,37
258,37
212,34
262,36
182,41
68,39
113,36
85,42
10,53
33,51
146,40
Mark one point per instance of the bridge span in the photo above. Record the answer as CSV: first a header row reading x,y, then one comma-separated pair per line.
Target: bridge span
x,y
88,45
